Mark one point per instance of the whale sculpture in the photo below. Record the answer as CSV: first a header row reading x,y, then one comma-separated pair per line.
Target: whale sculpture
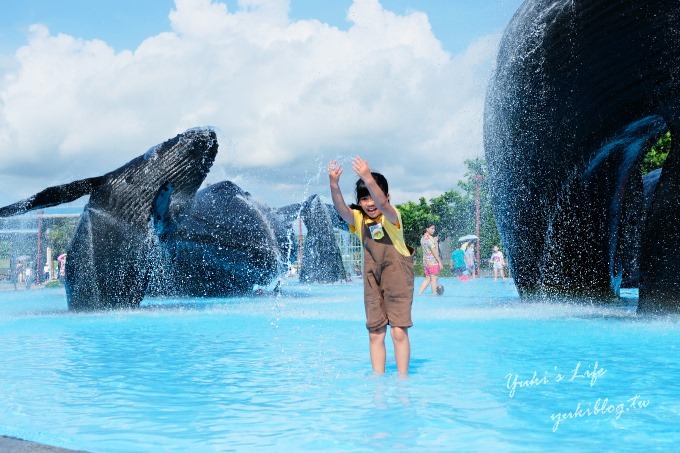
x,y
225,243
147,230
581,91
113,250
321,258
222,245
631,251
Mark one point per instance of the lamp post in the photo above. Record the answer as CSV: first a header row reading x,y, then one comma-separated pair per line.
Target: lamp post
x,y
477,178
38,266
48,256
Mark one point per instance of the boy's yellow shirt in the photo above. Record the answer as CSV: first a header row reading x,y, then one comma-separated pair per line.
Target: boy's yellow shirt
x,y
395,232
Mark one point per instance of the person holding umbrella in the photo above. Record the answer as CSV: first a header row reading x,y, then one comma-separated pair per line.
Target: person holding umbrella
x,y
469,247
470,259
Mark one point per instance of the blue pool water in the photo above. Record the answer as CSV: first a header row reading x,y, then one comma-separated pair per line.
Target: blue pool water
x,y
292,373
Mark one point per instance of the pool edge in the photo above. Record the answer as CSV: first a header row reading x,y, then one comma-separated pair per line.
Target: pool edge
x,y
17,445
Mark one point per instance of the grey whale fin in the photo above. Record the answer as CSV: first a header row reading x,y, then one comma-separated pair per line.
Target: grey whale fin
x,y
52,196
160,211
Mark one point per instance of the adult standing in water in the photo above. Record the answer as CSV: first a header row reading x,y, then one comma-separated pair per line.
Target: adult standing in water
x,y
470,266
388,266
432,262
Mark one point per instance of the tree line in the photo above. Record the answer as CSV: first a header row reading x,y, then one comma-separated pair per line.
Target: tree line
x,y
454,212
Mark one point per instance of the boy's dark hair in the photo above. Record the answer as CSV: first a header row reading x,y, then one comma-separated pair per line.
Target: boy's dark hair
x,y
361,190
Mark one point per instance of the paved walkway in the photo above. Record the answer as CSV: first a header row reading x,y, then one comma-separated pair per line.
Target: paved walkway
x,y
14,445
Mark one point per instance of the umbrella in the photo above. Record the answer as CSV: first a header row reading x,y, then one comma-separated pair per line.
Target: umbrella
x,y
61,258
469,237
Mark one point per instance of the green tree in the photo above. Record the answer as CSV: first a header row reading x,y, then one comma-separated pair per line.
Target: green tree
x,y
476,179
59,232
454,212
415,216
5,249
448,211
656,157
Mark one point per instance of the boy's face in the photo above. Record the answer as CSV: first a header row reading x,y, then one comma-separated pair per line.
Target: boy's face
x,y
369,207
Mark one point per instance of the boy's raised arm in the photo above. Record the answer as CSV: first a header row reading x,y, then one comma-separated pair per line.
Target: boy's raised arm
x,y
334,172
381,200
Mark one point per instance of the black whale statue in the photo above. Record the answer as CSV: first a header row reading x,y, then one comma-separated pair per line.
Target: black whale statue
x,y
112,253
582,89
222,244
147,231
226,242
322,261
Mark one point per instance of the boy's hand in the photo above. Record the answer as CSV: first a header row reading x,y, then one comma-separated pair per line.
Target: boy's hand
x,y
361,168
334,171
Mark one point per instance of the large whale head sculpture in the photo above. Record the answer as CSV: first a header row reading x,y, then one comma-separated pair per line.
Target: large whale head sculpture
x,y
223,244
581,91
226,243
130,209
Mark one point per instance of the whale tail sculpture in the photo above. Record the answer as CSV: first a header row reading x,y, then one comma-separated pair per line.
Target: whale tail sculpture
x,y
129,212
321,258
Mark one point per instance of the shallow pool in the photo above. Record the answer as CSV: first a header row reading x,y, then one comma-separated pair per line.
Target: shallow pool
x,y
292,373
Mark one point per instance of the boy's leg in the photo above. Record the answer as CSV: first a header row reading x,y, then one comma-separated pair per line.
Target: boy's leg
x,y
402,348
376,341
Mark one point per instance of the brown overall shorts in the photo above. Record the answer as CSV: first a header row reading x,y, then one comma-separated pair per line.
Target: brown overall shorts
x,y
388,281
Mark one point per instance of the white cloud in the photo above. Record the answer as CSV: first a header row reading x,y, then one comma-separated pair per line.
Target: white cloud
x,y
285,96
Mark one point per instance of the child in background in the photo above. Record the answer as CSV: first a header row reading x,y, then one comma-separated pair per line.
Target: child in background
x,y
498,261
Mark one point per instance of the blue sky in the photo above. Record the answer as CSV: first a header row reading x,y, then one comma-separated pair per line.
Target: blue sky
x,y
126,23
288,86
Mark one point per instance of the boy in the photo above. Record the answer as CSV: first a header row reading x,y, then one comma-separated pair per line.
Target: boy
x,y
388,265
